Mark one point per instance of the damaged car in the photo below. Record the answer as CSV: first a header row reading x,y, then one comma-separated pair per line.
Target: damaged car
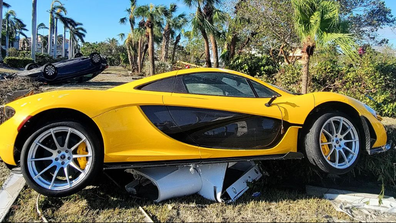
x,y
78,69
182,132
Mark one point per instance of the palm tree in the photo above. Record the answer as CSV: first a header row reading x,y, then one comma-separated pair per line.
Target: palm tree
x,y
38,28
2,4
58,16
172,23
200,23
34,30
151,14
13,27
54,9
68,23
77,33
131,48
211,14
317,23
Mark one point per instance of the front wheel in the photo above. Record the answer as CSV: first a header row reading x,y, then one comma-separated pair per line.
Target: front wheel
x,y
61,158
95,58
333,143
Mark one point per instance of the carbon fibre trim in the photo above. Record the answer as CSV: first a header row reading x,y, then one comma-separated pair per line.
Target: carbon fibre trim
x,y
287,156
366,131
215,129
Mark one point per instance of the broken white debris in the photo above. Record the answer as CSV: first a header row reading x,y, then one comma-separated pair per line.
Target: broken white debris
x,y
9,192
355,199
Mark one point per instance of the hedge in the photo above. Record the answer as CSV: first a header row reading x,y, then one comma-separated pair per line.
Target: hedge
x,y
17,62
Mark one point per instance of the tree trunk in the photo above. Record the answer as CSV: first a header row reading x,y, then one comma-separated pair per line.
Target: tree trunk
x,y
34,30
144,54
1,28
70,45
129,56
7,38
305,73
64,41
50,36
177,40
150,31
55,38
139,56
214,50
165,43
233,43
207,50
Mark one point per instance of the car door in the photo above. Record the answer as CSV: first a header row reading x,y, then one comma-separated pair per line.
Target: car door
x,y
222,114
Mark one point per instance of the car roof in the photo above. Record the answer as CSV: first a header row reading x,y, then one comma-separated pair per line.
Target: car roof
x,y
146,80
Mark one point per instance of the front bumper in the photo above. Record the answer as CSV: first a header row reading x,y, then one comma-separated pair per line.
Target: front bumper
x,y
380,149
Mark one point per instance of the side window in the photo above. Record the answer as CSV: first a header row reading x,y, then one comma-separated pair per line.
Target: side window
x,y
220,84
164,85
262,91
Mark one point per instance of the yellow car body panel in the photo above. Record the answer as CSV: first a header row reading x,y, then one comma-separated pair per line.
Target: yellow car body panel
x,y
324,97
129,136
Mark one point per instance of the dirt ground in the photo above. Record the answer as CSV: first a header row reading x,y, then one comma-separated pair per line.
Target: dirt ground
x,y
105,202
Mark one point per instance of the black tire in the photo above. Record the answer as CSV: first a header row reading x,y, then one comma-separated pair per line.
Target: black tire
x,y
95,58
31,66
339,144
50,72
77,55
52,181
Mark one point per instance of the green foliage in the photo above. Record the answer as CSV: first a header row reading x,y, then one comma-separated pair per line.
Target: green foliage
x,y
289,78
110,49
371,79
12,52
17,62
254,65
42,59
24,53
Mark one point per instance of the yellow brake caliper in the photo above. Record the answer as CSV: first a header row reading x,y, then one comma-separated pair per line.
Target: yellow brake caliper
x,y
325,148
82,150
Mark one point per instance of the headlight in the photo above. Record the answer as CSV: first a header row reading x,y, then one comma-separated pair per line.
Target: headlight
x,y
6,112
371,110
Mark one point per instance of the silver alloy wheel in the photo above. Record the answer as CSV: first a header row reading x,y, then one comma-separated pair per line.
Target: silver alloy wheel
x,y
339,142
96,58
53,158
50,70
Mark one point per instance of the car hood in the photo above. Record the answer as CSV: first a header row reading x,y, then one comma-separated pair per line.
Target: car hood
x,y
90,102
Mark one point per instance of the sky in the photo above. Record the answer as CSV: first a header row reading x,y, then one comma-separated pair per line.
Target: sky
x,y
101,17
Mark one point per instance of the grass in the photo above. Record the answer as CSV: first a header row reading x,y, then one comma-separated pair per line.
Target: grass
x,y
116,70
4,172
103,203
9,70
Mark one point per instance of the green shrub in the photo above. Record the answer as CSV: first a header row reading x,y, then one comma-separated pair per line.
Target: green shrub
x,y
24,54
371,79
12,52
17,62
42,59
254,65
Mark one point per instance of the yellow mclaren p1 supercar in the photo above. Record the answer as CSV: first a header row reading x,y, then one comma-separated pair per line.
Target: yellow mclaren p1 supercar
x,y
63,139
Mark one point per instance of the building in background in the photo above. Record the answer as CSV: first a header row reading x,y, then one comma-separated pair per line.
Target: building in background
x,y
24,44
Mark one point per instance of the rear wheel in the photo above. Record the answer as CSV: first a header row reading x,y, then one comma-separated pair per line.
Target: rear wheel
x,y
50,72
31,66
78,55
61,158
333,143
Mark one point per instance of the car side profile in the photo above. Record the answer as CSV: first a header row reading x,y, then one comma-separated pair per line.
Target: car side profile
x,y
63,139
81,68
